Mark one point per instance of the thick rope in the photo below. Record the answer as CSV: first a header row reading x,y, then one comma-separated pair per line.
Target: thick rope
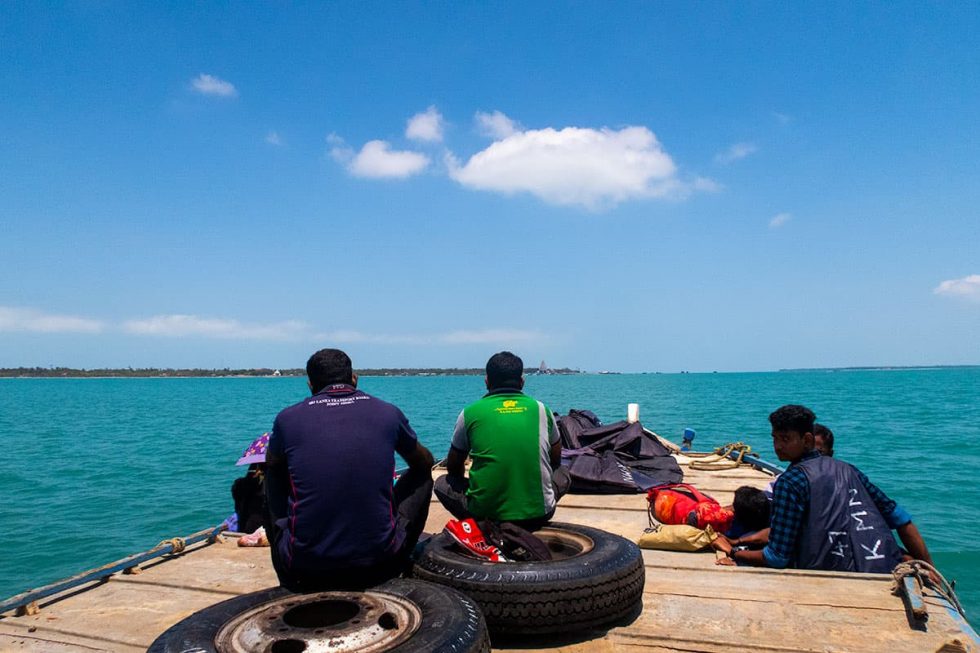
x,y
722,461
717,454
920,570
177,543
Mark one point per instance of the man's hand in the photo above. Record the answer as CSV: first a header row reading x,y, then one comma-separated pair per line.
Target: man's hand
x,y
722,544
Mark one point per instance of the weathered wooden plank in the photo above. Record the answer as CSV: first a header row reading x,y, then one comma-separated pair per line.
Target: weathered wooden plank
x,y
140,607
731,583
776,625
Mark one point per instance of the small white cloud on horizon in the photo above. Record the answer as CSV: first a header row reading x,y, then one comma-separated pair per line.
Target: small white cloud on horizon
x,y
779,220
273,138
377,160
459,337
177,326
489,336
496,125
784,119
29,320
967,288
351,336
211,85
426,126
735,152
594,168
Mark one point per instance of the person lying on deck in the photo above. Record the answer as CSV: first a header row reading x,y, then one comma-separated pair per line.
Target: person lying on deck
x,y
826,513
750,528
516,474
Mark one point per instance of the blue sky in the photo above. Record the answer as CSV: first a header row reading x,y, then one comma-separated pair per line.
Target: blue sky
x,y
629,186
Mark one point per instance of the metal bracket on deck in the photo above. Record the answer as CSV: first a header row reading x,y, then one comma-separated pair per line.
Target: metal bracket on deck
x,y
910,591
135,570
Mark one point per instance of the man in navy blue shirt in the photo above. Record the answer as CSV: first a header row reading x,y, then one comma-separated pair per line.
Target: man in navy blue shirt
x,y
338,521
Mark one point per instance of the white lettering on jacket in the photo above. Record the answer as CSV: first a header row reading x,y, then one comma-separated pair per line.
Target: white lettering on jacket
x,y
861,526
837,541
852,502
874,552
336,401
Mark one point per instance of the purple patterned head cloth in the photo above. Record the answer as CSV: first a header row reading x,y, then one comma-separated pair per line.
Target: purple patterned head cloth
x,y
256,451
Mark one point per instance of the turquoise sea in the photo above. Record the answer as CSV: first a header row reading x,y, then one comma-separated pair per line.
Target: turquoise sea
x,y
95,469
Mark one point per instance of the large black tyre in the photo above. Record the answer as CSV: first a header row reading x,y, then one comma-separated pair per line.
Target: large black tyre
x,y
450,623
595,579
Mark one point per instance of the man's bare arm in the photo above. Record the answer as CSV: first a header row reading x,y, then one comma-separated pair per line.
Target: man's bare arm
x,y
914,544
759,538
456,463
420,460
750,558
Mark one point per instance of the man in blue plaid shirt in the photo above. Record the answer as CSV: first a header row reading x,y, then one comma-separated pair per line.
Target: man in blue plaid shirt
x,y
826,514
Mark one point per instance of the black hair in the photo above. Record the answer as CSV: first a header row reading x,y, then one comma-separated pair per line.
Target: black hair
x,y
504,370
751,508
329,366
827,435
793,417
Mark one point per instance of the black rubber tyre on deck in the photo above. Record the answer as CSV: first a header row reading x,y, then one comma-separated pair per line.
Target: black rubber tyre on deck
x,y
450,622
595,579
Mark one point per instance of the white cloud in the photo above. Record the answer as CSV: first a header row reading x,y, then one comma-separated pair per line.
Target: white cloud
x,y
460,337
496,125
735,152
425,126
211,85
340,151
347,336
575,166
377,160
33,321
177,326
193,326
273,138
966,288
779,220
489,336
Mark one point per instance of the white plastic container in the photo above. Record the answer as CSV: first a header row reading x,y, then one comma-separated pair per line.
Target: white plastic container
x,y
633,413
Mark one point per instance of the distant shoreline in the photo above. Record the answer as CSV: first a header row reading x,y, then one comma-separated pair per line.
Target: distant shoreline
x,y
262,372
265,372
876,368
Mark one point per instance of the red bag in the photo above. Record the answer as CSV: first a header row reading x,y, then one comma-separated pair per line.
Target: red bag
x,y
680,503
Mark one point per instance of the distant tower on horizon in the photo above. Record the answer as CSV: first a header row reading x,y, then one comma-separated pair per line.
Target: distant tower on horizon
x,y
543,368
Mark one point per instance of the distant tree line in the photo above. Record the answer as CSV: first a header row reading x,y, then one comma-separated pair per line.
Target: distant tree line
x,y
144,372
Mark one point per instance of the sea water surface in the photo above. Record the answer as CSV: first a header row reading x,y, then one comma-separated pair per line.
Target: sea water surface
x,y
96,469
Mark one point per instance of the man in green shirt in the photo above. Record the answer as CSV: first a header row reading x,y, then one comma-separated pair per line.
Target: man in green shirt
x,y
513,440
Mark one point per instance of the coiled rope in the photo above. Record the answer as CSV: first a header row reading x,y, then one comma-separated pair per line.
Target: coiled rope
x,y
721,458
924,573
177,543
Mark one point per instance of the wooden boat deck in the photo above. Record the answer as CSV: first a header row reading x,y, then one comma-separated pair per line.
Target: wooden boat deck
x,y
689,603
